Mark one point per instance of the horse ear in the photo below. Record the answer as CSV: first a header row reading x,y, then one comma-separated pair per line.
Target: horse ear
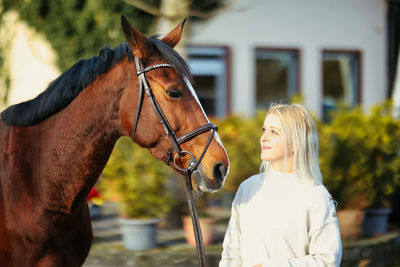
x,y
139,44
173,37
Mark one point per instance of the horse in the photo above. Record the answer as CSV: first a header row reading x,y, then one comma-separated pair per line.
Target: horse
x,y
54,147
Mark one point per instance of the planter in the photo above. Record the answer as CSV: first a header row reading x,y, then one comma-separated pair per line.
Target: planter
x,y
207,230
227,199
139,234
350,223
376,221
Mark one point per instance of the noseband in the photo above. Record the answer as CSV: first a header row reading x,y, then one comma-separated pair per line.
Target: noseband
x,y
175,146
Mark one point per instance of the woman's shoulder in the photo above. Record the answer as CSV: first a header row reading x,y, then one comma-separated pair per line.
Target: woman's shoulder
x,y
253,180
250,184
313,190
322,207
248,188
320,201
318,191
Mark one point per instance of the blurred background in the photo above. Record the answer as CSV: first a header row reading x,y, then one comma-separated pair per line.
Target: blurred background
x,y
339,58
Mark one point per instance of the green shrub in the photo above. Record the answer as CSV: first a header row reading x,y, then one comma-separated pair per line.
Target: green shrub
x,y
359,160
136,181
359,157
240,136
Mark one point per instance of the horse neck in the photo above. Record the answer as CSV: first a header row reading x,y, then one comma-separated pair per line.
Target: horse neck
x,y
81,141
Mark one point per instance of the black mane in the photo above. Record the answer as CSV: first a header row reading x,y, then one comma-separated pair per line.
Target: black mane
x,y
68,85
65,88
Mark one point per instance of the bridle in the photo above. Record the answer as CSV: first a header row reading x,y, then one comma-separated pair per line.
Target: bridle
x,y
175,146
176,141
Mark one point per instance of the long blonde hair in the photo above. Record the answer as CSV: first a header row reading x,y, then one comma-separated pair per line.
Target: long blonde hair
x,y
301,139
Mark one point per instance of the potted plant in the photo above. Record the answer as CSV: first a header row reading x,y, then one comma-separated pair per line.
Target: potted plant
x,y
138,184
342,163
383,168
360,165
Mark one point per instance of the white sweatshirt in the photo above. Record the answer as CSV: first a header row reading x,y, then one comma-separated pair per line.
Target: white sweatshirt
x,y
281,219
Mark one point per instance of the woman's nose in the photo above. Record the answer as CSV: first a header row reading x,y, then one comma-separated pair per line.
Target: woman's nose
x,y
264,137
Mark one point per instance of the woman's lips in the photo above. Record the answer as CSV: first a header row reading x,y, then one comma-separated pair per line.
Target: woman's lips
x,y
265,147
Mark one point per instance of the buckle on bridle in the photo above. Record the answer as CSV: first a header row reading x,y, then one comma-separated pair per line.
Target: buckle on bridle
x,y
191,164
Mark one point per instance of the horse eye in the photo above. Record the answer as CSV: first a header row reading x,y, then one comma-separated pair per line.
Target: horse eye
x,y
175,93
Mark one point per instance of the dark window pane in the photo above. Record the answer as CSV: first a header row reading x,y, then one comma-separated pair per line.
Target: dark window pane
x,y
205,89
272,80
208,105
340,72
276,76
333,84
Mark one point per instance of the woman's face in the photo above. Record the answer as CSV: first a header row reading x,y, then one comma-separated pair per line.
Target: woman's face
x,y
273,144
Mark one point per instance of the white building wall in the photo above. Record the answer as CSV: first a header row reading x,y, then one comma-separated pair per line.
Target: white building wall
x,y
310,26
32,61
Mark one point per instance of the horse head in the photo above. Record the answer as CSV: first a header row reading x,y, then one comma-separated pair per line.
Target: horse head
x,y
161,81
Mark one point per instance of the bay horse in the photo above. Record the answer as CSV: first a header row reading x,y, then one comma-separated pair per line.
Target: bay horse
x,y
54,147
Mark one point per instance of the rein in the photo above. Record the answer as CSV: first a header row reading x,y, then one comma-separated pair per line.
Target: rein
x,y
175,146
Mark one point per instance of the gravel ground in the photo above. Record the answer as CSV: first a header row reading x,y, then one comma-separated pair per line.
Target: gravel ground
x,y
173,251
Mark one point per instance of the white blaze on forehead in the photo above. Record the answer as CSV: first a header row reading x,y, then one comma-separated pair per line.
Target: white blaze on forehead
x,y
216,136
189,85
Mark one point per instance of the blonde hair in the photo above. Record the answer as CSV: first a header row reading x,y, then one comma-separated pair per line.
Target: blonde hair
x,y
301,139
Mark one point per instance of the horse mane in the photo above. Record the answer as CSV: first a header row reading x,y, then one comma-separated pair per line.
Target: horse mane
x,y
63,90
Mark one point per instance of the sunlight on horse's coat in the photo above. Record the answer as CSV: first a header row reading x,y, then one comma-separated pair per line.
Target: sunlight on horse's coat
x,y
54,147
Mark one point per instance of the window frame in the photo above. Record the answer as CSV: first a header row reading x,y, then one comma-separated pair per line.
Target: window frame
x,y
290,50
359,54
225,54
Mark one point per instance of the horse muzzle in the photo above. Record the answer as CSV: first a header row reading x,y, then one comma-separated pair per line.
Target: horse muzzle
x,y
204,182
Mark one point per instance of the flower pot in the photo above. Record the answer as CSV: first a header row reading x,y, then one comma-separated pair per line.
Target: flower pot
x,y
207,229
376,221
139,234
350,223
227,199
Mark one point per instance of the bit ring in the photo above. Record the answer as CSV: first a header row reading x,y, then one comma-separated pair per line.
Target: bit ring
x,y
192,161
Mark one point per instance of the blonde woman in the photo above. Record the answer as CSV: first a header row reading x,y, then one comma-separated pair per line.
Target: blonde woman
x,y
284,216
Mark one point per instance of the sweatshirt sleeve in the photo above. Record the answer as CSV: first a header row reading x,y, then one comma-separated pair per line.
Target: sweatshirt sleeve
x,y
231,256
325,245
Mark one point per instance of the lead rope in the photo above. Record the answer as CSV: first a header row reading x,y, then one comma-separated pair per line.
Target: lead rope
x,y
188,189
195,220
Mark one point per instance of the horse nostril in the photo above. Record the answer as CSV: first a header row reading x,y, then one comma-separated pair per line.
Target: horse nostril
x,y
219,172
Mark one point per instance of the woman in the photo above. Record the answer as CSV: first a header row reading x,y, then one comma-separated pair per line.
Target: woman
x,y
284,216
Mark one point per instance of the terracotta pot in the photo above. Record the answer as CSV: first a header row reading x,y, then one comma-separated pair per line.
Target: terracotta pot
x,y
350,223
207,229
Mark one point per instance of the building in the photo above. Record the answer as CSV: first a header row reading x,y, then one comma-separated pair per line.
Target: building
x,y
257,51
253,52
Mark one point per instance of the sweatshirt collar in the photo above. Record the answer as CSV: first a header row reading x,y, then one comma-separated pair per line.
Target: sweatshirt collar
x,y
274,175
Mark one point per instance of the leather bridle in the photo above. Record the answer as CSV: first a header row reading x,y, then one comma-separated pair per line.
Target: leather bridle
x,y
175,145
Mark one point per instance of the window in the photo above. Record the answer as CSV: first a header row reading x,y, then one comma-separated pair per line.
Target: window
x,y
341,80
277,74
209,66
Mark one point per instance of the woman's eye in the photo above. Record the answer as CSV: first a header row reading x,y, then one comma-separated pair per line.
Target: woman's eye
x,y
263,130
273,132
175,93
